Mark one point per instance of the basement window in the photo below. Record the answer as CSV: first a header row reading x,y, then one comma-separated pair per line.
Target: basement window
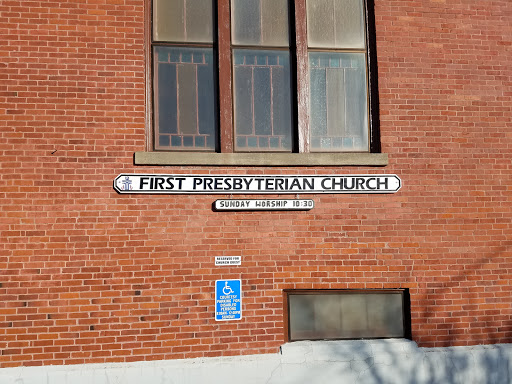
x,y
348,314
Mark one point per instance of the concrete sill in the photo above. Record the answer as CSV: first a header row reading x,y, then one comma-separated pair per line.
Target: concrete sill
x,y
262,159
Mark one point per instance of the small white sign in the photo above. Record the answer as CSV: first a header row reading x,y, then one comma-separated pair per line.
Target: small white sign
x,y
228,260
264,205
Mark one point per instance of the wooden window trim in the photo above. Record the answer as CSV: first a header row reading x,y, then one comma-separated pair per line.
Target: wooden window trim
x,y
227,156
302,85
373,85
148,75
225,76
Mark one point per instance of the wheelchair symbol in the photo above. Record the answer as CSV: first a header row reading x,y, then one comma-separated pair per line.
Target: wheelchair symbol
x,y
227,289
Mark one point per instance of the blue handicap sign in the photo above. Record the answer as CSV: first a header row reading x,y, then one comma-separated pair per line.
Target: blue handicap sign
x,y
228,300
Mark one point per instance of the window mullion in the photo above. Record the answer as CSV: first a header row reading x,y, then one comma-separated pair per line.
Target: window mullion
x,y
302,76
375,146
225,76
148,52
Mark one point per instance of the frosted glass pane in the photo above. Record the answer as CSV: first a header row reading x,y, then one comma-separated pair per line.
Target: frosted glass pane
x,y
184,98
327,315
338,102
385,315
345,316
302,316
335,23
262,100
354,319
259,22
183,20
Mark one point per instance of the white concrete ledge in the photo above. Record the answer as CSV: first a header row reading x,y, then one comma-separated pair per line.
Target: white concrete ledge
x,y
319,362
261,159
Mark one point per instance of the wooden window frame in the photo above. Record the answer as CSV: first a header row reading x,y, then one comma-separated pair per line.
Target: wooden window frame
x,y
406,307
226,154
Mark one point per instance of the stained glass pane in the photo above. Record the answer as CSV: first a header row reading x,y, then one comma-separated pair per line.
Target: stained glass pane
x,y
183,20
338,102
184,98
259,22
262,100
335,23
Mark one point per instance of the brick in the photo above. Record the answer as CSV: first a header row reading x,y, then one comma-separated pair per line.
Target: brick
x,y
90,276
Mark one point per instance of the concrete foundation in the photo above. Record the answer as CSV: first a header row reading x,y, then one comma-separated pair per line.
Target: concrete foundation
x,y
324,362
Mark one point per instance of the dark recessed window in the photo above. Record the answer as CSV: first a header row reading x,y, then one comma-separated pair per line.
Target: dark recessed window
x,y
264,76
315,315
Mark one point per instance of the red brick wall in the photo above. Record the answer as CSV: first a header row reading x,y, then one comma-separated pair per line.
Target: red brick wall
x,y
87,275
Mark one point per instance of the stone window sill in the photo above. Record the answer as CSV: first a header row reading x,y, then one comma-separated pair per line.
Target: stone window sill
x,y
261,159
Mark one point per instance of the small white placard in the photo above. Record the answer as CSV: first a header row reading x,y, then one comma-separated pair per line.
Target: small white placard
x,y
228,260
264,205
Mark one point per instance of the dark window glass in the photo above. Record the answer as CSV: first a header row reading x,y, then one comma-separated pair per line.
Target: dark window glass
x,y
262,100
338,102
184,98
